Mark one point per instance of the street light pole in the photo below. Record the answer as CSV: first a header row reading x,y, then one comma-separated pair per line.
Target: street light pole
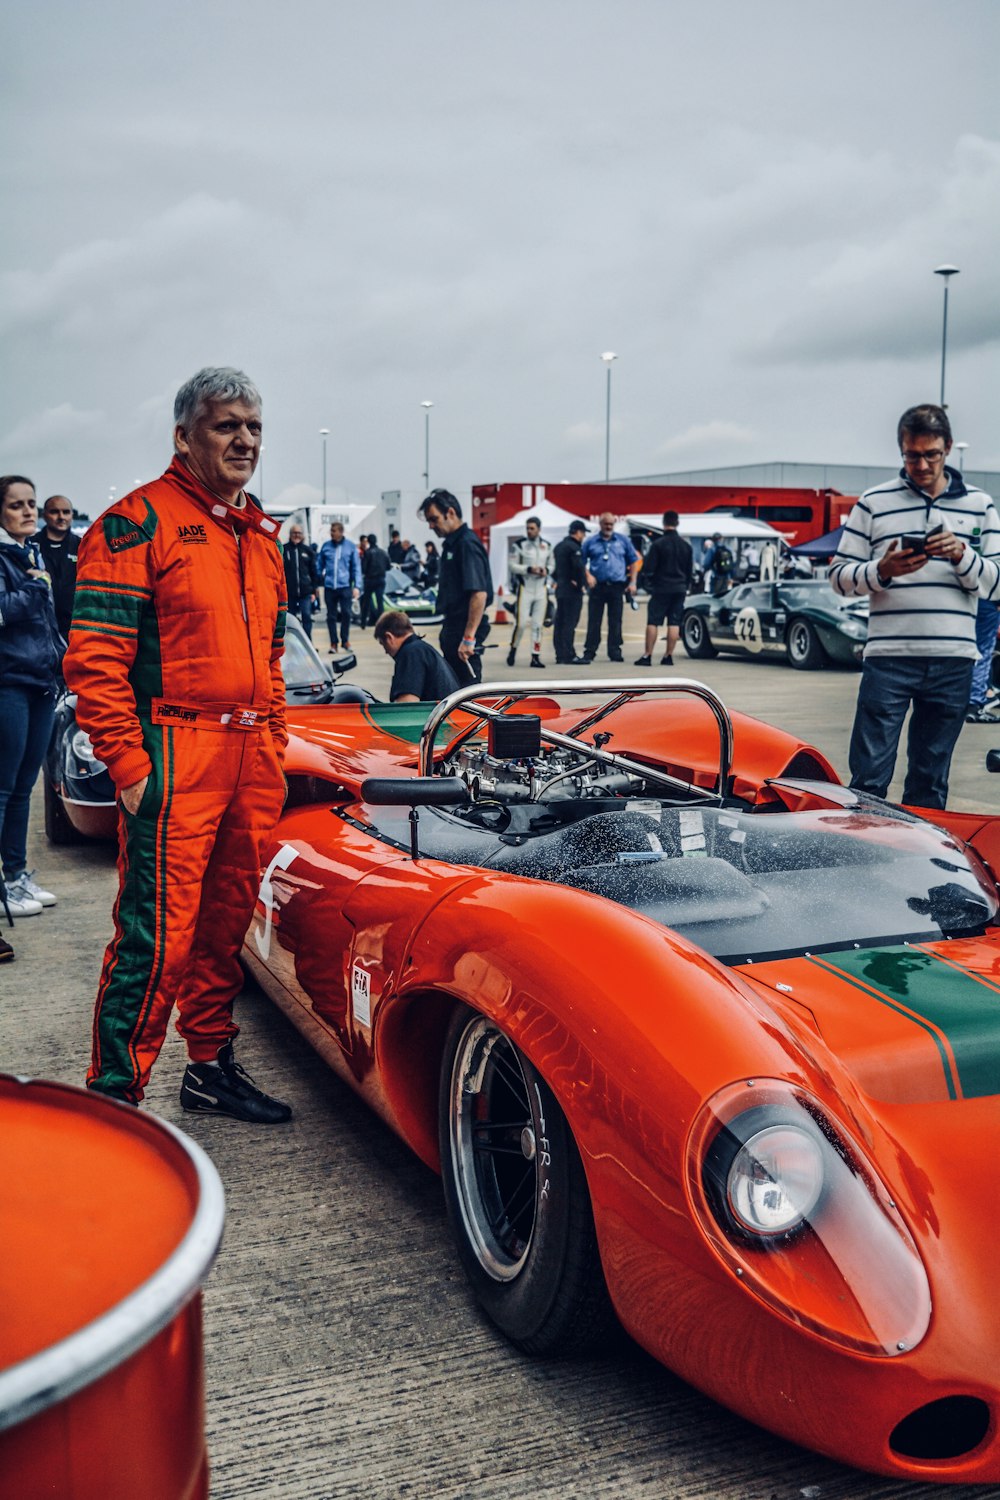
x,y
324,433
960,449
427,442
944,272
608,357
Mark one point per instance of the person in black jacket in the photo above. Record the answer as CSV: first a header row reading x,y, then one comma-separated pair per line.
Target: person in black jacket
x,y
58,545
374,566
432,566
667,573
301,578
31,653
465,587
570,582
421,674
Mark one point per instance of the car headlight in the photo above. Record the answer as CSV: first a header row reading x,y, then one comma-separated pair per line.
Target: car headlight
x,y
767,1177
82,747
795,1208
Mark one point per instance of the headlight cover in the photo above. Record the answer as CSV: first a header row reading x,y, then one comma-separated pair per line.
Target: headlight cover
x,y
795,1210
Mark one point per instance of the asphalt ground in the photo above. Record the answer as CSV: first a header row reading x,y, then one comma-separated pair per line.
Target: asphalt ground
x,y
344,1355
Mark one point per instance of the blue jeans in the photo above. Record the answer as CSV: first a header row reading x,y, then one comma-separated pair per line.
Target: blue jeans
x,y
304,610
987,618
938,688
26,716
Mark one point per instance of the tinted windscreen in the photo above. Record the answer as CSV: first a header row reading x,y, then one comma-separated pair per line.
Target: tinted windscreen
x,y
754,885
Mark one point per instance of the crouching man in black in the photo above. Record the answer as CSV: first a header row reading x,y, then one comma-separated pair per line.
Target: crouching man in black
x,y
421,674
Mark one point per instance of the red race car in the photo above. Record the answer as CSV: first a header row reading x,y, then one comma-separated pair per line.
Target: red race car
x,y
698,1039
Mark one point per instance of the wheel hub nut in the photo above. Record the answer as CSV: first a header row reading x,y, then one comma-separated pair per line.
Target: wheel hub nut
x,y
528,1143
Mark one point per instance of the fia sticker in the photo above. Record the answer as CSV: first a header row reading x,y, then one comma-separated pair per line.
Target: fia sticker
x,y
361,995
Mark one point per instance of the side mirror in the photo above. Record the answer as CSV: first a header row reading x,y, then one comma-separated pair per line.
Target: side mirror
x,y
414,791
993,760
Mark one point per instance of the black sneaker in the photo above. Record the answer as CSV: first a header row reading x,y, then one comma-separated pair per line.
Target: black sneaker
x,y
511,656
666,661
536,661
644,661
981,713
6,952
224,1088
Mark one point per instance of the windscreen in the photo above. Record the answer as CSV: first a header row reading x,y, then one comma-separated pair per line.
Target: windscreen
x,y
758,885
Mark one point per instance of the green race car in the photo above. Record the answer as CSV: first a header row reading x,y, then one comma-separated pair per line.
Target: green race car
x,y
804,621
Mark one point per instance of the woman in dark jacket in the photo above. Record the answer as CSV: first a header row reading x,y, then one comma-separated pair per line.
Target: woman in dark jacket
x,y
432,566
31,651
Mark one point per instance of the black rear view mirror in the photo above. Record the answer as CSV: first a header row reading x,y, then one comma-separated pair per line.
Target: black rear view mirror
x,y
414,792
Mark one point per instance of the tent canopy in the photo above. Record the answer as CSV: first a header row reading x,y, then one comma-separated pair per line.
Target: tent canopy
x,y
821,546
554,521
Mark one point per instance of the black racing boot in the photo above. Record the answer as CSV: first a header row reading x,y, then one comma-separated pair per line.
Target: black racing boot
x,y
511,656
224,1088
536,660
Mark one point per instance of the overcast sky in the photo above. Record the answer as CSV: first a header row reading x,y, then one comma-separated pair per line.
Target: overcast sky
x,y
370,205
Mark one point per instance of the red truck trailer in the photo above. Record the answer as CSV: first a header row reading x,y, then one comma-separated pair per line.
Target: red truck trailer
x,y
800,515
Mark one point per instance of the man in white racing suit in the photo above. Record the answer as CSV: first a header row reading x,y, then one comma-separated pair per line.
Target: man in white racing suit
x,y
531,568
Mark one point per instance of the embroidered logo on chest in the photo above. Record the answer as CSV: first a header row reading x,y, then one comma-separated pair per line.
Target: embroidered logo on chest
x,y
187,535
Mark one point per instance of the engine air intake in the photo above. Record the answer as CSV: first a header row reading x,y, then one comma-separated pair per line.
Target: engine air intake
x,y
948,1428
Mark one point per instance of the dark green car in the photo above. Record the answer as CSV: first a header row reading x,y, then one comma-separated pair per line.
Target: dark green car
x,y
804,621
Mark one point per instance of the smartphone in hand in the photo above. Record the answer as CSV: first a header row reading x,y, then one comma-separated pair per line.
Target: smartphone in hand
x,y
916,541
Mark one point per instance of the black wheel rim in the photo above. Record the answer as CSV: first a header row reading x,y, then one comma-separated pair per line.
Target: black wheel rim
x,y
493,1152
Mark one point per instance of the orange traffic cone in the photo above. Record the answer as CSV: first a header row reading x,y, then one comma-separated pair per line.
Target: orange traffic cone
x,y
501,617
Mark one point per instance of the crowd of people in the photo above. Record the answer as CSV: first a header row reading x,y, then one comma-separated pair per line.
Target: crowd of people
x,y
151,644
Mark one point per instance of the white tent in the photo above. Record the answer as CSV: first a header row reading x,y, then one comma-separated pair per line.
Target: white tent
x,y
555,524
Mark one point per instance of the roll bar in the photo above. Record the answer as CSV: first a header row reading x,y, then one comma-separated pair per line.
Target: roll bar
x,y
621,689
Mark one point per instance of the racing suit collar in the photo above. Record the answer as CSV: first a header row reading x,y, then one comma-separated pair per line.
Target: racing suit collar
x,y
250,518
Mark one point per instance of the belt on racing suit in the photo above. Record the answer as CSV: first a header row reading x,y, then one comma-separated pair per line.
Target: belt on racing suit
x,y
192,717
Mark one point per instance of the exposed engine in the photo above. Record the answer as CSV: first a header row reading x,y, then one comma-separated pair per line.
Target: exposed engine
x,y
554,774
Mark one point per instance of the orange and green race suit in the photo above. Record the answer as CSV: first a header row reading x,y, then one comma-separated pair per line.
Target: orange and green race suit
x,y
175,647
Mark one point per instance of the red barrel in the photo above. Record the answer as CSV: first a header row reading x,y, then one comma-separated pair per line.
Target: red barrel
x,y
109,1222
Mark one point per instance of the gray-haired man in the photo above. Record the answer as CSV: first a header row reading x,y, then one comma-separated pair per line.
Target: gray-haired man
x,y
175,654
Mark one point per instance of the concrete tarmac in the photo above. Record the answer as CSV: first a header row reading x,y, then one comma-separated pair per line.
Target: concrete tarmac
x,y
344,1354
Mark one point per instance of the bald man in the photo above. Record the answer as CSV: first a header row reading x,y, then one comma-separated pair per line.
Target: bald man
x,y
58,547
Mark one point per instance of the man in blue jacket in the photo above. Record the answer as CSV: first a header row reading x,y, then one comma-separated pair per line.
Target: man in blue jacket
x,y
340,569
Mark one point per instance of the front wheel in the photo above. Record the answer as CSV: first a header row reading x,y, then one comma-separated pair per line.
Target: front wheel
x,y
803,645
517,1196
694,633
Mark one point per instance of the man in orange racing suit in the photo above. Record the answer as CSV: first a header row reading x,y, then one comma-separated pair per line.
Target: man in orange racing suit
x,y
175,646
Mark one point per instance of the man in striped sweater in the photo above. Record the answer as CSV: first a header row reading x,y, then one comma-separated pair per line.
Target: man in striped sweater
x,y
925,547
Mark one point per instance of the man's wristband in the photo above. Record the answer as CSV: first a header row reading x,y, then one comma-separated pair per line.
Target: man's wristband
x,y
883,583
468,640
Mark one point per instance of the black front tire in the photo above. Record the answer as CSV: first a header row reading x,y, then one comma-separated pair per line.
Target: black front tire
x,y
517,1196
805,652
694,634
58,828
